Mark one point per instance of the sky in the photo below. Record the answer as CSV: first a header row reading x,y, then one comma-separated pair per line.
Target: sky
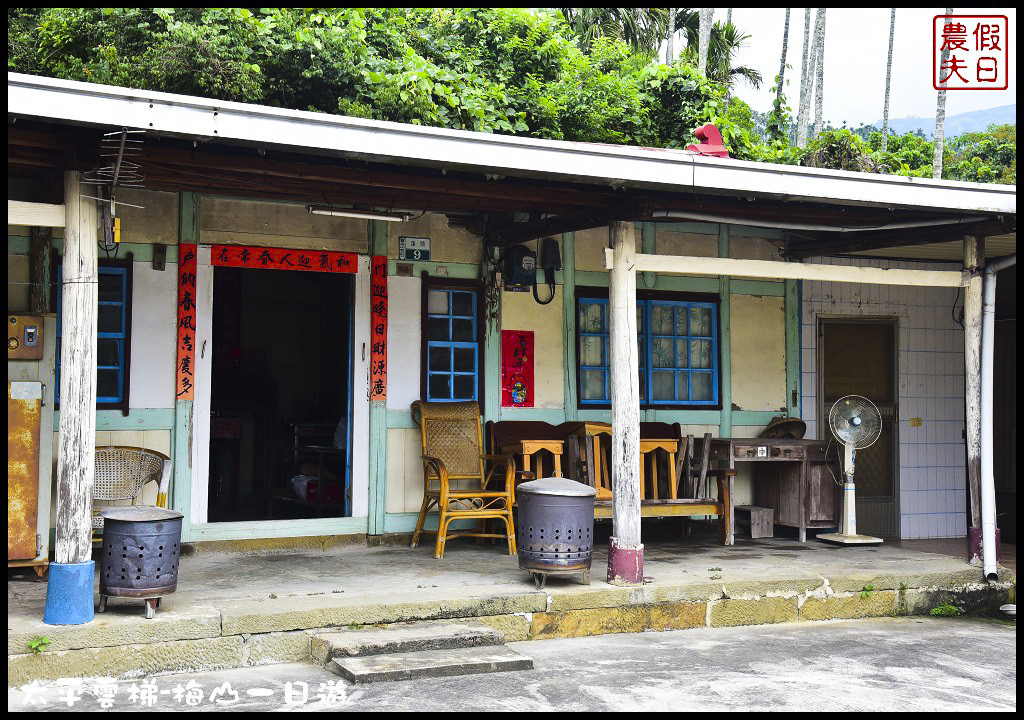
x,y
856,46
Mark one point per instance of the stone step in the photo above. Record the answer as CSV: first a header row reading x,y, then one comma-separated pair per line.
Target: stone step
x,y
429,664
402,637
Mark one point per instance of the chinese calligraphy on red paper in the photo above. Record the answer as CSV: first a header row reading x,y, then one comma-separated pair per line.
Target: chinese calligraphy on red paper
x,y
185,382
245,256
516,368
379,329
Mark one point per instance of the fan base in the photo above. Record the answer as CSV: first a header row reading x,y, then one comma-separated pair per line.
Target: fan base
x,y
850,539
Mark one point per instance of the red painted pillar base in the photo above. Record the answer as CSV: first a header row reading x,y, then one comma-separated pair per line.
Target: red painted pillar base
x,y
625,564
974,545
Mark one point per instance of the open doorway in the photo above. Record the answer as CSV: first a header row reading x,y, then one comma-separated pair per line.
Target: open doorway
x,y
858,357
280,405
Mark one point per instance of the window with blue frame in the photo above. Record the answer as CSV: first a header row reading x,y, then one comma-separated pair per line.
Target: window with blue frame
x,y
677,351
113,330
452,345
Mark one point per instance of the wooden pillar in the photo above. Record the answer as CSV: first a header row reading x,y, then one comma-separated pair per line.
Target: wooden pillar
x,y
39,269
77,440
569,330
974,263
625,552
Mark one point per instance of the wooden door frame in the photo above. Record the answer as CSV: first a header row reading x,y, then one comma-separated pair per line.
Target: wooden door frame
x,y
199,526
823,429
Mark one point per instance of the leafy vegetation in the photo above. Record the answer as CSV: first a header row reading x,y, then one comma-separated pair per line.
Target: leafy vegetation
x,y
37,644
945,610
581,74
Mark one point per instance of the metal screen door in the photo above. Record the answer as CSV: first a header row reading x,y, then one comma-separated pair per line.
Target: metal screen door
x,y
858,357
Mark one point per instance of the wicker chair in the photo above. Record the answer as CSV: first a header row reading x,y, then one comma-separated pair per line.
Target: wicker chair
x,y
454,478
121,473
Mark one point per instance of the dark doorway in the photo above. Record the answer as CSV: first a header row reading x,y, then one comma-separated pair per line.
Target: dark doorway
x,y
858,357
280,399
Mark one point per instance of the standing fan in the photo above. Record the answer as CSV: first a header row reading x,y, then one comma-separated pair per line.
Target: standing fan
x,y
856,422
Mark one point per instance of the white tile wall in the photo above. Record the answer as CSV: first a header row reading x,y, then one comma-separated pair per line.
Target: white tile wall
x,y
932,475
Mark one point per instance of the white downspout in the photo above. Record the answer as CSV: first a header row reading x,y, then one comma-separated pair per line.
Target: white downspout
x,y
988,485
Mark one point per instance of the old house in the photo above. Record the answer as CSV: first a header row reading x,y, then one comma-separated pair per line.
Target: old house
x,y
284,280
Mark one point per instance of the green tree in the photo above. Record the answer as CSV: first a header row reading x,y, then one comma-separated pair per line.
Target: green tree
x,y
986,157
642,29
725,42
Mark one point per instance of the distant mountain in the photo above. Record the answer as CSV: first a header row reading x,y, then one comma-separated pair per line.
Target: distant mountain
x,y
955,124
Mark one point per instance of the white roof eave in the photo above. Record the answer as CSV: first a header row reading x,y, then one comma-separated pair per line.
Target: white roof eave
x,y
107,106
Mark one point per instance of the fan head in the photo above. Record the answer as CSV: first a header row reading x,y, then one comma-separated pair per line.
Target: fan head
x,y
855,421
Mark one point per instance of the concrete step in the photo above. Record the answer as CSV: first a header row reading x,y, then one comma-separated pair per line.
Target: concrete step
x,y
429,664
402,637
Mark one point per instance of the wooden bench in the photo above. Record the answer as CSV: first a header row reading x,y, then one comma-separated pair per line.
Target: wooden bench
x,y
683,490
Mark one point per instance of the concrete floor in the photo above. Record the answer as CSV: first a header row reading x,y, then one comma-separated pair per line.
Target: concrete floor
x,y
358,572
875,665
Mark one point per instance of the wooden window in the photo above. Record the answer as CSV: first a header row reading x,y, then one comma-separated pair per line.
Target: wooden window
x,y
451,340
113,342
677,341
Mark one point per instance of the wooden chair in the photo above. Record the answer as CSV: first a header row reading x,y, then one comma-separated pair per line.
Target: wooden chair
x,y
454,477
121,473
694,476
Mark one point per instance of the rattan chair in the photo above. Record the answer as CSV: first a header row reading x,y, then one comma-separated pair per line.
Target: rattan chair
x,y
454,477
121,473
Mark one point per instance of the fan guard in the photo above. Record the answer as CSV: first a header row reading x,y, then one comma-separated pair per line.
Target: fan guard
x,y
856,421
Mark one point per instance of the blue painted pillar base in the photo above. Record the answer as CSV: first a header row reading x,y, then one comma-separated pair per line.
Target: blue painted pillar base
x,y
69,594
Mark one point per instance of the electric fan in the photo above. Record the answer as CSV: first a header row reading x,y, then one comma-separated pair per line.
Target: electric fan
x,y
856,423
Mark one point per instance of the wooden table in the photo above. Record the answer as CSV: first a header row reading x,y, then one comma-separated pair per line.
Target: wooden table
x,y
793,478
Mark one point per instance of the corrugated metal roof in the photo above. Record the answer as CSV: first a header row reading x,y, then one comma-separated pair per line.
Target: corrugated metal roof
x,y
106,106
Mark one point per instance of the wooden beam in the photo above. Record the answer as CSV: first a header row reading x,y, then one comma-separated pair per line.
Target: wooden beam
x,y
77,440
625,554
833,243
572,221
35,214
974,265
774,269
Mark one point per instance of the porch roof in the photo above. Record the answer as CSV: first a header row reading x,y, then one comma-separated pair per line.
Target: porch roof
x,y
577,184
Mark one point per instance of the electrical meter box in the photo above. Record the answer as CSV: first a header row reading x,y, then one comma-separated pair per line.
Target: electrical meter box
x,y
24,337
520,268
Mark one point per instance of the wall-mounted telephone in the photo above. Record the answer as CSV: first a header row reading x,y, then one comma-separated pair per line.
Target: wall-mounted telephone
x,y
521,268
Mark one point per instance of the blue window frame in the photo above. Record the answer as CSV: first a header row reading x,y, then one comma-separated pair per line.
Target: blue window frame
x,y
453,347
112,335
678,352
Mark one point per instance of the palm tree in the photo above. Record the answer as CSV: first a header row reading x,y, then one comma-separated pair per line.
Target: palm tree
x,y
641,28
888,80
806,75
819,68
706,18
782,64
724,42
940,114
670,49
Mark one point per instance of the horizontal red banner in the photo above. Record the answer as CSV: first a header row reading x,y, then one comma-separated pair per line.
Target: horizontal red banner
x,y
284,259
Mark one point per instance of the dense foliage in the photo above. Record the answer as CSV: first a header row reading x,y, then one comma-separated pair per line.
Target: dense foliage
x,y
499,70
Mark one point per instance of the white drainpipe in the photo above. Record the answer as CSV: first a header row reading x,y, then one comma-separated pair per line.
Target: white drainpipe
x,y
988,485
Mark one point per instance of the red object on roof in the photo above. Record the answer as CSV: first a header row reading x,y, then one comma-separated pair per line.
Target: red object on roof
x,y
712,142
